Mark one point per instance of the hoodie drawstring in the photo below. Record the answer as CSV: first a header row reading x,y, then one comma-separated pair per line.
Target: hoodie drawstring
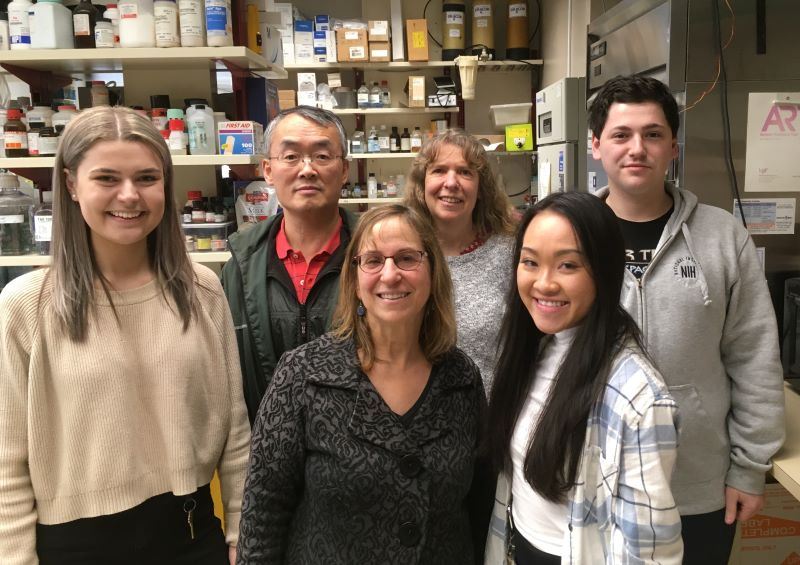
x,y
701,276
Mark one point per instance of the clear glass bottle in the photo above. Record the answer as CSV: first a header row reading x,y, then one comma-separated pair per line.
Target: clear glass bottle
x,y
384,142
386,96
362,96
375,96
391,187
373,145
416,140
372,186
358,142
356,191
15,225
43,223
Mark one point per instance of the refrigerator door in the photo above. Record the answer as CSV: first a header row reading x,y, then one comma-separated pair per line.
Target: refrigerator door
x,y
557,168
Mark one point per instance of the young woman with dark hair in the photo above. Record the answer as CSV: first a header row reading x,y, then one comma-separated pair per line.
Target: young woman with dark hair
x,y
580,422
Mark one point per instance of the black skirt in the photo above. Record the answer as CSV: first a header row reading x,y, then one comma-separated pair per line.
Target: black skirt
x,y
155,532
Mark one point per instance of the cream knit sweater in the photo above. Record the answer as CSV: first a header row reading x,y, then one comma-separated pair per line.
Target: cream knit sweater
x,y
139,409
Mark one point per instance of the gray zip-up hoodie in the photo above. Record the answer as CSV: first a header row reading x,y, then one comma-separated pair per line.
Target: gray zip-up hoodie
x,y
705,311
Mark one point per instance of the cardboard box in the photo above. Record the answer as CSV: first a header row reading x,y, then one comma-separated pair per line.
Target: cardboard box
x,y
322,22
379,51
351,45
415,92
519,137
303,54
240,138
378,30
771,537
417,36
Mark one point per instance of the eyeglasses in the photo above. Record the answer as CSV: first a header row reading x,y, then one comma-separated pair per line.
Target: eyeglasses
x,y
317,160
405,260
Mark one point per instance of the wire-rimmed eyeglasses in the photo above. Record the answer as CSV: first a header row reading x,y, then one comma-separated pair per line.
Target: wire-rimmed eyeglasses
x,y
405,260
319,160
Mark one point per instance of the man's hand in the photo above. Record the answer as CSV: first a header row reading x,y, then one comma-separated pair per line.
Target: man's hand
x,y
740,505
232,554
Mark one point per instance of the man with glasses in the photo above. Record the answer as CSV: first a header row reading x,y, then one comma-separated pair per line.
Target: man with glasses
x,y
282,280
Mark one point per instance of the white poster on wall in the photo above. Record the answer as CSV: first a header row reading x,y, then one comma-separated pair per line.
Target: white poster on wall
x,y
773,142
767,215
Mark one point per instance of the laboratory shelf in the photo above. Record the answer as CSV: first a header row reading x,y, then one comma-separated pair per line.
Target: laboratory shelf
x,y
491,66
395,110
148,58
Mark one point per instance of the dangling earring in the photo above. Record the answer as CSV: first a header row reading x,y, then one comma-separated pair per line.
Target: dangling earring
x,y
361,310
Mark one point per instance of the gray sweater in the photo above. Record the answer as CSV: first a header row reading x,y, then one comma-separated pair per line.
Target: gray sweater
x,y
708,323
480,283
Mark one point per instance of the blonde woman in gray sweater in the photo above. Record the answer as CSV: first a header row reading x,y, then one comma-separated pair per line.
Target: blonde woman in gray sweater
x,y
452,183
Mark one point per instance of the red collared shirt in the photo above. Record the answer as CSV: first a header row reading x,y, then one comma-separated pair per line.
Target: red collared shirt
x,y
303,274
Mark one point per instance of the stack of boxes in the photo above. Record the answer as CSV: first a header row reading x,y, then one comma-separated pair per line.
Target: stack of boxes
x,y
325,40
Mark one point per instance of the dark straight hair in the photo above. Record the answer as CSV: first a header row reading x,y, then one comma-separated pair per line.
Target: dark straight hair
x,y
633,89
554,451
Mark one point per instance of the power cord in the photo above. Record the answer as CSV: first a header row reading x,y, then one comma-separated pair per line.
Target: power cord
x,y
726,118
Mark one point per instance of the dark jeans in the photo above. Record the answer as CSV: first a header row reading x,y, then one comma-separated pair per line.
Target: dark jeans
x,y
707,539
155,532
526,553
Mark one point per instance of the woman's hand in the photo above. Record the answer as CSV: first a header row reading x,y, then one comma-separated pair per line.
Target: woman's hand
x,y
232,554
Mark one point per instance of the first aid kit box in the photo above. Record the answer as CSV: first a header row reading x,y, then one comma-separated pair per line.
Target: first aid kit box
x,y
240,138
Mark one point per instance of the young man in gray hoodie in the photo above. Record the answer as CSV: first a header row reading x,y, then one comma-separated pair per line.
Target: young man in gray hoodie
x,y
695,286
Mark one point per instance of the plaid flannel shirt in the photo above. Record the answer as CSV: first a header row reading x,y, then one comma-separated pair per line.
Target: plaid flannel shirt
x,y
621,510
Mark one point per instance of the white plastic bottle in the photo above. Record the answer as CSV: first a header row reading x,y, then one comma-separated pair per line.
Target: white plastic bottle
x,y
166,23
104,33
112,13
5,38
136,23
51,25
19,24
192,23
372,186
200,126
219,30
177,138
65,113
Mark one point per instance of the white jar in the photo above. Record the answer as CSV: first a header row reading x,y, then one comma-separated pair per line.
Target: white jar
x,y
136,23
166,23
51,25
64,115
219,30
112,13
192,23
103,33
42,114
19,24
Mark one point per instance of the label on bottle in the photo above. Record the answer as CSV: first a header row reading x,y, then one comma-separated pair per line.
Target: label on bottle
x,y
12,219
166,25
355,146
482,10
191,18
48,145
454,18
103,36
82,25
216,19
15,140
517,10
393,146
416,142
128,10
362,98
375,100
481,23
33,143
176,141
42,228
455,32
19,27
373,146
383,143
405,144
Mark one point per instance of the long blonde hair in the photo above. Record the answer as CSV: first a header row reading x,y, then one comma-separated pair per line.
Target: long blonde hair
x,y
437,335
493,211
74,267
